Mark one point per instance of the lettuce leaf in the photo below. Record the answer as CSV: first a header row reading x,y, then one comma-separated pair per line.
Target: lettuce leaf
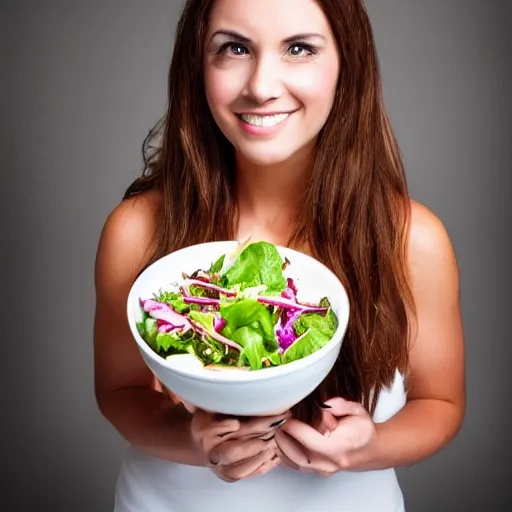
x,y
311,341
326,323
314,330
217,265
171,341
258,264
248,312
251,325
141,325
254,349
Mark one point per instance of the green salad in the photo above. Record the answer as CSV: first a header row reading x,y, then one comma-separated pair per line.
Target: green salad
x,y
242,312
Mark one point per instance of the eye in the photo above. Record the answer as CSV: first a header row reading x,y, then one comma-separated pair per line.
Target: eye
x,y
236,49
301,50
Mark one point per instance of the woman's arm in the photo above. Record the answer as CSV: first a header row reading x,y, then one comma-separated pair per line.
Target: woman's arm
x,y
124,386
436,398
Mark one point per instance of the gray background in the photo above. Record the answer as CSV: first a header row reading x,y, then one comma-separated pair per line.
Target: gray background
x,y
84,81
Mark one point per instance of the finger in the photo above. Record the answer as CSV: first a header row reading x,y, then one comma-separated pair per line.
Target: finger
x,y
234,452
326,423
322,466
264,436
224,428
248,467
292,450
266,467
211,433
267,436
285,461
216,425
261,426
299,458
340,407
307,436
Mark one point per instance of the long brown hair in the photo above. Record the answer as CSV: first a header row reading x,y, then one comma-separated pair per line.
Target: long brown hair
x,y
355,209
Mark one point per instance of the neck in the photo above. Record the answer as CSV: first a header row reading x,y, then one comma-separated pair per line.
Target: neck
x,y
269,197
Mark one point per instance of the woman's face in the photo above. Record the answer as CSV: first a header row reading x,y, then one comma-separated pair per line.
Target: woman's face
x,y
271,68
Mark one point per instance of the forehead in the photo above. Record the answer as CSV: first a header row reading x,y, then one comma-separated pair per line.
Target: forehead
x,y
268,18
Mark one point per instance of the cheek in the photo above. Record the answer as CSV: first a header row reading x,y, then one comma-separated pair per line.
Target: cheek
x,y
222,87
314,86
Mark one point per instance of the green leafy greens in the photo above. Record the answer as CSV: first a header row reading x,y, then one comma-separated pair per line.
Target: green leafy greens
x,y
241,314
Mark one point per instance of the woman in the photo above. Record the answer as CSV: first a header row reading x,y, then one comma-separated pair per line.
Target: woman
x,y
276,130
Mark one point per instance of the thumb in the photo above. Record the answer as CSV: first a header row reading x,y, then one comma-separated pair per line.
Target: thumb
x,y
327,422
339,407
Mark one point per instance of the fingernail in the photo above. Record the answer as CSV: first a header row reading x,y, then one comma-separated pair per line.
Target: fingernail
x,y
322,405
327,433
277,423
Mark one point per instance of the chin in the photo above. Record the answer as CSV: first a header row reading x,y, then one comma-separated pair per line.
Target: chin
x,y
265,157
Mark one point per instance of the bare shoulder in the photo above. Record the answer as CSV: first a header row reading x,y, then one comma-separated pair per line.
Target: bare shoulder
x,y
128,231
430,249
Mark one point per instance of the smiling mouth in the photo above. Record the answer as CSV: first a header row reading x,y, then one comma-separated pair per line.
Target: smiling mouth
x,y
264,120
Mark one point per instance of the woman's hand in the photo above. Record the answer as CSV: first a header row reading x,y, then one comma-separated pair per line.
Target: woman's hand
x,y
236,449
328,447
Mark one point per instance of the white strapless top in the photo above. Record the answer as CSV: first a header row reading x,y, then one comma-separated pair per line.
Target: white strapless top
x,y
148,484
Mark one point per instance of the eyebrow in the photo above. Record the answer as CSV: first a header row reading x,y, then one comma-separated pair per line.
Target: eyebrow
x,y
244,39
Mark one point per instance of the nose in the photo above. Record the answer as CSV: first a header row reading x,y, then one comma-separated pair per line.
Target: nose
x,y
265,82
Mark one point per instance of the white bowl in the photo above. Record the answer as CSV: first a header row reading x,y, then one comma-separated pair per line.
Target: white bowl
x,y
236,392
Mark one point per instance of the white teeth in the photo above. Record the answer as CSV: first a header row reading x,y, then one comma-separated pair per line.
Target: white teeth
x,y
264,120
